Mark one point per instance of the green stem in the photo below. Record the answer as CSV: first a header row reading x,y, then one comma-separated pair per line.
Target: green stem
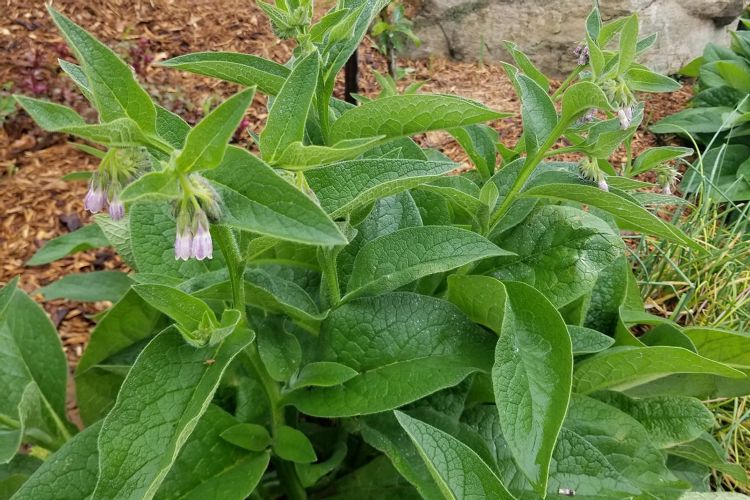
x,y
524,175
236,265
328,267
567,82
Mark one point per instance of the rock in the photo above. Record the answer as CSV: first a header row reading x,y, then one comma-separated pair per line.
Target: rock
x,y
548,32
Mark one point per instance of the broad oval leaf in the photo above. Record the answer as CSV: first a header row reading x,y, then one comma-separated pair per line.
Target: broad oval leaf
x,y
256,199
459,472
628,215
159,404
206,143
532,378
288,113
343,187
85,238
625,367
538,112
581,97
245,69
404,346
396,259
403,115
88,287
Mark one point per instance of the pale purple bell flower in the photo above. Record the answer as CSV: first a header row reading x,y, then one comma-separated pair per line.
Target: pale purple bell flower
x,y
95,199
183,243
116,208
202,247
625,116
666,189
603,184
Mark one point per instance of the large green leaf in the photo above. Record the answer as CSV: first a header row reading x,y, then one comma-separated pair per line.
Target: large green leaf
x,y
206,143
730,347
624,443
624,367
256,199
629,215
669,420
481,298
403,115
245,69
531,378
298,156
210,467
288,113
85,238
112,82
68,474
33,375
404,346
560,250
628,44
396,259
459,472
343,187
88,287
159,404
16,472
538,112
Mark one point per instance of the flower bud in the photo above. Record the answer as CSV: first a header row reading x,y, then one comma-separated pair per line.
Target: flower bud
x,y
116,208
603,184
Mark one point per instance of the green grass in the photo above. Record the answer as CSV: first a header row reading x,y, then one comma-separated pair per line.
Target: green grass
x,y
710,290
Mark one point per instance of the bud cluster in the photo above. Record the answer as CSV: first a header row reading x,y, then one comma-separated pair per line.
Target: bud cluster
x,y
118,168
590,171
666,176
622,99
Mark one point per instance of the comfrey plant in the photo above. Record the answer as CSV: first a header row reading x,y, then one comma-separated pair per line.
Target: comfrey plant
x,y
337,317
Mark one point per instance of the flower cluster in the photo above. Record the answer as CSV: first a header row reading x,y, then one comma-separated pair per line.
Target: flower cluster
x,y
199,203
666,176
582,53
117,169
591,171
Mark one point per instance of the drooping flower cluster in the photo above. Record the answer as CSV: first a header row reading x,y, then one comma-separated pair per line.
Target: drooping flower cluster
x,y
117,169
622,99
591,171
582,53
199,203
666,176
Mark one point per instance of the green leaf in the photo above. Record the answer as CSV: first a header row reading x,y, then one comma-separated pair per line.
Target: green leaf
x,y
629,215
620,368
245,69
85,238
705,450
479,143
396,259
588,341
404,346
15,473
68,474
279,350
158,407
178,305
525,64
256,199
532,377
206,143
346,186
458,471
625,444
560,252
643,80
112,82
669,420
581,97
729,347
210,467
291,444
693,121
33,377
323,374
652,157
118,235
251,437
481,298
404,115
163,183
88,287
49,115
538,112
298,156
628,44
375,480
288,113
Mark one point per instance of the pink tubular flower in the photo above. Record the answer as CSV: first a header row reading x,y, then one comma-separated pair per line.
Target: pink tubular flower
x,y
95,199
116,208
202,247
182,245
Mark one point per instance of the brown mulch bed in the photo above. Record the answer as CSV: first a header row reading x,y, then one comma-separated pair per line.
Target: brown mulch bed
x,y
37,205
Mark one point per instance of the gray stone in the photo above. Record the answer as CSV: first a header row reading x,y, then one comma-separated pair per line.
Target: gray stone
x,y
549,31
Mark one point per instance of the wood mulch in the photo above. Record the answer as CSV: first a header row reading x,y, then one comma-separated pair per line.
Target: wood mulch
x,y
36,205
